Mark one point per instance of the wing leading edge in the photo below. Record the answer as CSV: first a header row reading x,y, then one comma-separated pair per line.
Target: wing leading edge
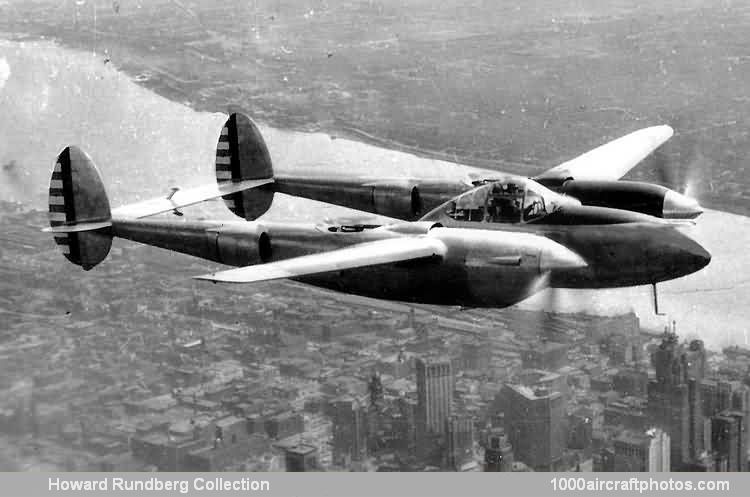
x,y
360,255
612,160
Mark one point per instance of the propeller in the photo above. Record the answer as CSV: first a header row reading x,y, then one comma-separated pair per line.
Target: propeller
x,y
683,169
681,165
551,309
550,300
682,173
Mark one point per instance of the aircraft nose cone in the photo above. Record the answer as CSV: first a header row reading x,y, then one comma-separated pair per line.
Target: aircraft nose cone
x,y
692,256
700,256
679,206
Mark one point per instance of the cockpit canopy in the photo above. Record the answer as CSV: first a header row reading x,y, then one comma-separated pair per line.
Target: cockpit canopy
x,y
513,200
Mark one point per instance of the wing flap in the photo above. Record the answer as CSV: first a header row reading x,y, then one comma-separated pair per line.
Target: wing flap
x,y
612,160
360,255
184,198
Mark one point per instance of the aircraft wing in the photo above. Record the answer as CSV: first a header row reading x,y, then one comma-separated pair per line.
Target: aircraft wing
x,y
184,198
360,255
612,160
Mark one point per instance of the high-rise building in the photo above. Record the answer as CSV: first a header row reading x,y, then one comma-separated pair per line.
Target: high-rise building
x,y
284,424
604,460
375,390
545,355
392,429
498,454
301,457
349,431
630,382
537,378
642,451
435,385
460,442
695,358
674,397
718,396
534,423
727,441
581,430
741,403
629,412
475,355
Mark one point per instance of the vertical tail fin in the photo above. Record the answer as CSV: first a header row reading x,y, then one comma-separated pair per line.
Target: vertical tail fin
x,y
241,154
79,214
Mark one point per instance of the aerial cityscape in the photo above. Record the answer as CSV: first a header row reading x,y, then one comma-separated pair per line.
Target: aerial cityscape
x,y
135,367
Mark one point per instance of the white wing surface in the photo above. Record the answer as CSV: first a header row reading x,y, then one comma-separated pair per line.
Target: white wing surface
x,y
360,255
612,160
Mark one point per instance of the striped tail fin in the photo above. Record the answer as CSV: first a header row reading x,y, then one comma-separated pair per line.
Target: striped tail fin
x,y
79,214
241,154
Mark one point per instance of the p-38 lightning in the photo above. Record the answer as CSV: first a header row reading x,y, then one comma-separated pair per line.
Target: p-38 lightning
x,y
489,240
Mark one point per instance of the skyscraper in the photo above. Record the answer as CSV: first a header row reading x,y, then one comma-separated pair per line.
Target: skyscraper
x,y
435,387
695,358
674,397
498,455
301,457
727,441
642,451
718,396
375,390
741,403
349,431
459,441
545,355
534,423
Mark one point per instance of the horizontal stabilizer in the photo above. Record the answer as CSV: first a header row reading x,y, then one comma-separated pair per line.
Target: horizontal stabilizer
x,y
184,198
78,227
613,160
360,255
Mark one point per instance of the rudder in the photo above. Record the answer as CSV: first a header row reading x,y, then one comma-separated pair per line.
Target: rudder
x,y
79,213
241,154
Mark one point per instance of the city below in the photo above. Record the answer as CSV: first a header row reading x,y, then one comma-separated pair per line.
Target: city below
x,y
138,368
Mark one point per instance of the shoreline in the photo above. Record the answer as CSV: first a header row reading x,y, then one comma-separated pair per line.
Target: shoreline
x,y
167,86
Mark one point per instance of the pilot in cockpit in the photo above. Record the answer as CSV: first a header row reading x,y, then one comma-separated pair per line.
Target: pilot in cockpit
x,y
533,205
504,203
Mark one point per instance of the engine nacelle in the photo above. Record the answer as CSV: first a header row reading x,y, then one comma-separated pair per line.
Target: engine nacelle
x,y
242,246
397,199
646,198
